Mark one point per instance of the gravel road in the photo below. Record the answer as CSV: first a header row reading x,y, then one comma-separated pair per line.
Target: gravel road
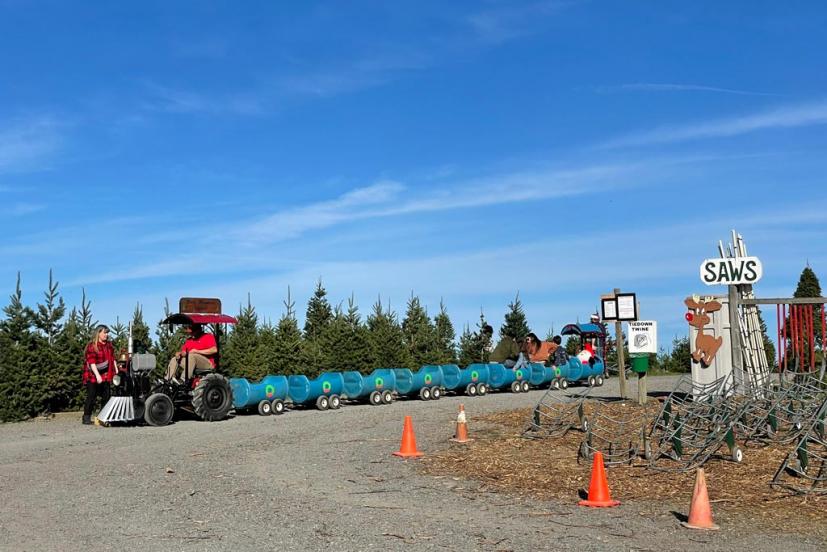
x,y
305,480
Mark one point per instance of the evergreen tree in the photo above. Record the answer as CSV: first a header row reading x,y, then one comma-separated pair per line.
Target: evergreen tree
x,y
515,325
71,343
346,341
21,382
285,356
49,315
573,345
169,340
385,339
119,334
48,320
469,351
769,346
141,341
317,322
419,334
240,358
485,340
446,349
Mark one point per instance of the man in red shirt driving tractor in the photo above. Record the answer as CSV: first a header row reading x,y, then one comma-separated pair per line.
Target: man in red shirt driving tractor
x,y
197,353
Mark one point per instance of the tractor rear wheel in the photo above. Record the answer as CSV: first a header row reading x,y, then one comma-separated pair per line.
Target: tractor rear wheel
x,y
212,398
158,409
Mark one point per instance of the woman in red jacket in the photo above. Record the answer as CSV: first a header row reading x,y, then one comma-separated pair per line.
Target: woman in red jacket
x,y
98,370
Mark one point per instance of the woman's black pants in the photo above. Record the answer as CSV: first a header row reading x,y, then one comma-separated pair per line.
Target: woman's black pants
x,y
93,391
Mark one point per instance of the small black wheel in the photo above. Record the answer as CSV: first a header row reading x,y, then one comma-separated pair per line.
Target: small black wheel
x,y
515,387
158,410
590,381
375,398
525,386
737,454
482,389
387,396
335,402
425,393
436,393
599,380
322,403
265,408
278,406
555,383
564,383
471,390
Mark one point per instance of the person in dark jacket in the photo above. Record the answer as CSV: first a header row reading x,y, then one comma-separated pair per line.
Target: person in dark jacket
x,y
98,369
560,357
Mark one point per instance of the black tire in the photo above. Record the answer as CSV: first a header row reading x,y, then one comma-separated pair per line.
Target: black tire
x,y
265,408
158,410
278,406
322,403
425,393
212,398
387,396
525,386
555,383
515,387
139,407
564,383
375,398
599,380
590,381
436,393
471,390
335,402
482,389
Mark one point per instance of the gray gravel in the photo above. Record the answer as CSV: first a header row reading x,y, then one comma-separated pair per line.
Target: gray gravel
x,y
306,480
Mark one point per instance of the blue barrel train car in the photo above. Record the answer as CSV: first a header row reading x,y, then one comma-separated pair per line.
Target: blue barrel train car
x,y
324,391
471,380
376,388
267,396
425,382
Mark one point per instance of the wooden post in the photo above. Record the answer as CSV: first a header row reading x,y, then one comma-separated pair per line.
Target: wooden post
x,y
621,357
735,339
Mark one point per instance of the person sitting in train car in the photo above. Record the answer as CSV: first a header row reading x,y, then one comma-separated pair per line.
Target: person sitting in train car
x,y
197,353
538,350
559,357
507,352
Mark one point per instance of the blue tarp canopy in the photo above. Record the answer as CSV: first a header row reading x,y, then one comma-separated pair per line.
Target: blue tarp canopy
x,y
584,329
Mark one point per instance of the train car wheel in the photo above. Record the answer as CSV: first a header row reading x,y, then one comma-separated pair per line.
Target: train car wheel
x,y
322,403
277,406
436,393
387,396
599,380
265,408
482,389
515,387
564,384
471,390
335,402
525,386
590,381
375,398
555,383
425,393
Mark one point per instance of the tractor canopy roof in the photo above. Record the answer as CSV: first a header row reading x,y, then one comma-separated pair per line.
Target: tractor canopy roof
x,y
586,330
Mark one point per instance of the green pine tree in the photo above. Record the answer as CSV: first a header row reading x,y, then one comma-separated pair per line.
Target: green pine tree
x,y
141,340
285,355
48,319
240,358
21,382
71,343
169,340
119,334
515,324
346,341
317,322
420,334
446,349
469,351
385,339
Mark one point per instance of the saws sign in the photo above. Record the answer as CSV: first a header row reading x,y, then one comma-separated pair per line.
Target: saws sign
x,y
731,271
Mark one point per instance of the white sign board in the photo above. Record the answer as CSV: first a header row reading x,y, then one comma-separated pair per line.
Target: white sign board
x,y
626,306
643,336
731,271
609,307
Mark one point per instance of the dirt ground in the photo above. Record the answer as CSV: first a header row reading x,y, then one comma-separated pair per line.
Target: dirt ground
x,y
502,458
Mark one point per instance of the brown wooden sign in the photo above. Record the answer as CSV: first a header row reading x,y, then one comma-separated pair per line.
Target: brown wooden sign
x,y
200,305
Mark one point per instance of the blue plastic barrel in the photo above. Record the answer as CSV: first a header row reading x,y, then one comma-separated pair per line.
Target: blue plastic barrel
x,y
403,380
352,383
451,376
577,369
474,373
305,391
381,379
537,374
248,395
502,377
427,376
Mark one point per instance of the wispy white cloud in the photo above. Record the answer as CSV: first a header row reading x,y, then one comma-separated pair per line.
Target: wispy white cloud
x,y
24,144
512,20
792,116
22,209
172,100
669,87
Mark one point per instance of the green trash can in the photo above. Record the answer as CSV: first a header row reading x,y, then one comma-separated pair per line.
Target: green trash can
x,y
640,363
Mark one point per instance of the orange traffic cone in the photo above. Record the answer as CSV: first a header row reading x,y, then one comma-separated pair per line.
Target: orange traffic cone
x,y
599,495
461,435
408,448
700,512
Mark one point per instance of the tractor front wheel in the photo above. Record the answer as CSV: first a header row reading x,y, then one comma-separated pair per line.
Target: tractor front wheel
x,y
212,398
158,409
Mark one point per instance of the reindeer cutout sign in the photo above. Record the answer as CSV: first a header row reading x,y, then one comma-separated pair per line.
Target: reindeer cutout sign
x,y
705,345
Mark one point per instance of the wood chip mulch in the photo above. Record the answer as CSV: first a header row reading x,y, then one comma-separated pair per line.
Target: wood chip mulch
x,y
503,460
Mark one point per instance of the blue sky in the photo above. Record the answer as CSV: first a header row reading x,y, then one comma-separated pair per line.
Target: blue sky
x,y
460,150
